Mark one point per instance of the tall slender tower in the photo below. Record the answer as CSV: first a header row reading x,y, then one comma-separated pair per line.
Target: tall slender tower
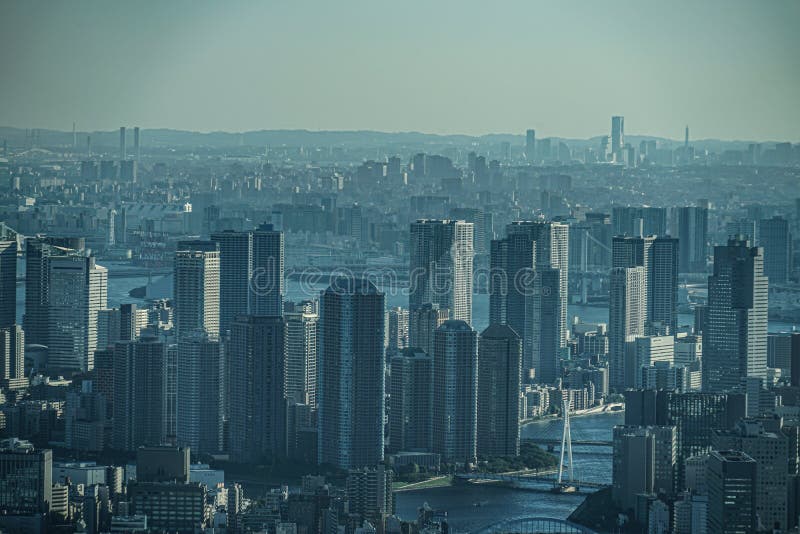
x,y
301,356
266,285
235,271
617,138
200,392
411,401
77,291
8,282
140,393
257,405
512,291
552,252
441,266
627,313
499,370
774,236
455,393
352,381
659,257
735,335
530,145
693,237
123,154
38,254
662,286
422,325
197,288
136,153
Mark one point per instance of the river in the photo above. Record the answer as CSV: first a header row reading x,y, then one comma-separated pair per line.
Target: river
x,y
471,507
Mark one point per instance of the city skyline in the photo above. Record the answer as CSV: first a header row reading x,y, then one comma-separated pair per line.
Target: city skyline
x,y
241,291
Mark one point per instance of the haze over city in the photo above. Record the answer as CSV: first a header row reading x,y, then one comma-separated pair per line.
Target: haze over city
x,y
399,267
730,69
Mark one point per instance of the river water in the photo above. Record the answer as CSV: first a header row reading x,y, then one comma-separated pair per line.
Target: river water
x,y
471,507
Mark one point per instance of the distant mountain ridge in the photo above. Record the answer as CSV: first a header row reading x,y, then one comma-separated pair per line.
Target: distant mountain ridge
x,y
165,137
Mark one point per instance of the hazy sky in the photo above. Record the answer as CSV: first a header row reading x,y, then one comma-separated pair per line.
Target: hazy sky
x,y
729,69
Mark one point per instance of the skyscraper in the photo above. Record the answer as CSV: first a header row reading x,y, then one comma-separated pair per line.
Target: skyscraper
x,y
235,272
422,325
38,252
199,398
512,290
351,374
396,331
27,476
267,285
731,492
643,462
693,238
552,251
441,266
140,387
8,282
659,257
301,356
499,373
547,303
627,313
770,451
662,286
120,324
12,357
455,392
635,221
77,291
735,336
196,288
136,152
411,401
774,237
123,153
530,145
617,138
257,404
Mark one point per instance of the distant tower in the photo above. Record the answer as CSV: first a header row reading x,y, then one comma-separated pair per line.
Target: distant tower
x,y
617,137
136,152
686,138
530,145
89,144
122,150
74,136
